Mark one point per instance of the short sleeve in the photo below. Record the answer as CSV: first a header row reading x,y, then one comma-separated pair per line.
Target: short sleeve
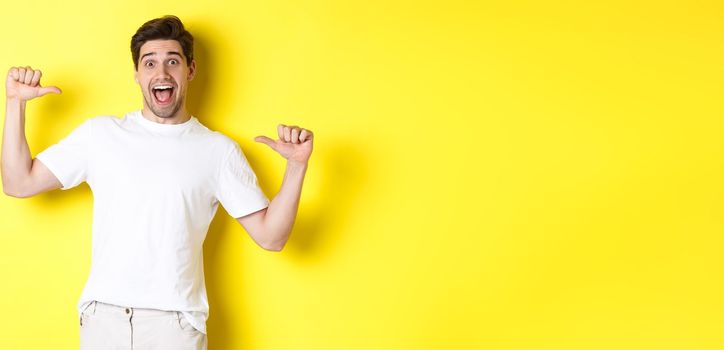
x,y
68,159
237,188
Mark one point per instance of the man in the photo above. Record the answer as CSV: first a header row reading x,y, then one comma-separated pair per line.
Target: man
x,y
157,177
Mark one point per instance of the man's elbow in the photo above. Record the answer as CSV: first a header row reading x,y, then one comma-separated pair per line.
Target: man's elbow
x,y
274,247
15,192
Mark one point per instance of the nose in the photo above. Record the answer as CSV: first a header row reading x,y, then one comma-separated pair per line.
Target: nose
x,y
163,71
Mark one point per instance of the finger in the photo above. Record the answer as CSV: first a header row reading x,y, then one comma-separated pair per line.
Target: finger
x,y
303,135
36,78
291,132
28,75
21,74
280,131
265,140
14,73
48,90
287,134
295,135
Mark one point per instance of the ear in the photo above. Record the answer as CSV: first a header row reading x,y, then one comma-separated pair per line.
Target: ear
x,y
135,76
192,70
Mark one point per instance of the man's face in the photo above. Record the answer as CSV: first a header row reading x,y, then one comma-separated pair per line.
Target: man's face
x,y
163,76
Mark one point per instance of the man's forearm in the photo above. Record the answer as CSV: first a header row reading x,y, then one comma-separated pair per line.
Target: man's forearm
x,y
282,210
16,160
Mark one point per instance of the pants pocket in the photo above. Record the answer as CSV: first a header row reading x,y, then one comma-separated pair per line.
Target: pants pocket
x,y
87,311
184,324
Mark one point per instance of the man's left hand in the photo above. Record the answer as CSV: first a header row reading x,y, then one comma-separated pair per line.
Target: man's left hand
x,y
294,143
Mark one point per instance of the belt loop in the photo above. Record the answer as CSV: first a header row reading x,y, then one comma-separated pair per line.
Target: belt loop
x,y
95,302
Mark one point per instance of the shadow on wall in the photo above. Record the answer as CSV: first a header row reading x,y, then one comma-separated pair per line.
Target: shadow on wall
x,y
199,97
343,174
319,219
318,229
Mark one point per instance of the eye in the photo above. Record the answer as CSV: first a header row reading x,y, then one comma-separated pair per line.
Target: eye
x,y
149,64
173,61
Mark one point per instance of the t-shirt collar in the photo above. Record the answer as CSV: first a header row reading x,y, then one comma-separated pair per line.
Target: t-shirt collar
x,y
158,127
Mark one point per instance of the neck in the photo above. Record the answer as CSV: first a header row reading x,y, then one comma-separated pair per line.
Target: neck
x,y
181,116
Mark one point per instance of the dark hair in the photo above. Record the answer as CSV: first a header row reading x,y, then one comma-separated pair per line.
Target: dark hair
x,y
164,28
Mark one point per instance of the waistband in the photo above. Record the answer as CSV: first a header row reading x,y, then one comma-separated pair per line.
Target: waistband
x,y
124,311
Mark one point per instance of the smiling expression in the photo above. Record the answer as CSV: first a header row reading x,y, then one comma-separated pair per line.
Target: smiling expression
x,y
163,75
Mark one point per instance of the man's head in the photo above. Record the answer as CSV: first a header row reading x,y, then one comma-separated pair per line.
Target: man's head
x,y
162,53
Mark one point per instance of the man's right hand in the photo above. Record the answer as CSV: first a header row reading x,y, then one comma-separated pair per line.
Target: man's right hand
x,y
23,84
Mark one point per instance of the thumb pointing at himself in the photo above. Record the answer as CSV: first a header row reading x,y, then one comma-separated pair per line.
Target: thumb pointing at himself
x,y
294,143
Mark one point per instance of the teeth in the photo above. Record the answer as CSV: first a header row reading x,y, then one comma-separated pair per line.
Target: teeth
x,y
162,87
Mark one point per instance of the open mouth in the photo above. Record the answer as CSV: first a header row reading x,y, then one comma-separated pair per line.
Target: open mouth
x,y
163,94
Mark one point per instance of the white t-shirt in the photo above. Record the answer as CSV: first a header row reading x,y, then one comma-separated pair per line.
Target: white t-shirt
x,y
156,188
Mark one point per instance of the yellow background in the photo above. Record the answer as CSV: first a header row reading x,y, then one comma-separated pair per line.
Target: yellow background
x,y
486,175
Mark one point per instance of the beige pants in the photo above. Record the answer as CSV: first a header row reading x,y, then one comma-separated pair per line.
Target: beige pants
x,y
111,327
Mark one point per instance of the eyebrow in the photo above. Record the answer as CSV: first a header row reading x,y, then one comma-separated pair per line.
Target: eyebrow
x,y
167,53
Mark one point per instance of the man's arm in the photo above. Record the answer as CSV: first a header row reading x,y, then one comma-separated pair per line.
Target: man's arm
x,y
270,227
22,176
